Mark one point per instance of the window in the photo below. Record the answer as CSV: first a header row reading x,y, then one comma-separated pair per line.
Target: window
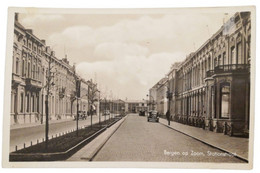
x,y
32,103
38,73
233,57
215,62
33,71
28,103
29,69
240,58
37,102
225,99
220,60
17,66
23,64
21,108
224,59
209,67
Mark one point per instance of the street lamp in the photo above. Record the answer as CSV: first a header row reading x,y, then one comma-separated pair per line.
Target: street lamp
x,y
152,103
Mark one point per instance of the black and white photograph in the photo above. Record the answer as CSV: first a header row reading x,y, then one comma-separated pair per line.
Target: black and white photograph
x,y
161,87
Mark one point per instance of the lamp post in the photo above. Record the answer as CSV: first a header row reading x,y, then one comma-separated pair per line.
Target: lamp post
x,y
78,82
152,101
169,97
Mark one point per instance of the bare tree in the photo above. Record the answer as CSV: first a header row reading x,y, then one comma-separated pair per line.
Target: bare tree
x,y
92,96
50,74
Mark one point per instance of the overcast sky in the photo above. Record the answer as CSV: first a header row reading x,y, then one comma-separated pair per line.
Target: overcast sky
x,y
125,54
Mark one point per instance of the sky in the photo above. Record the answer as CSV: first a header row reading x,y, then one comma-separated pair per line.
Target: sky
x,y
126,54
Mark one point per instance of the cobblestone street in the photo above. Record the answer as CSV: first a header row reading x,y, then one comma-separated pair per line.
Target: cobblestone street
x,y
139,140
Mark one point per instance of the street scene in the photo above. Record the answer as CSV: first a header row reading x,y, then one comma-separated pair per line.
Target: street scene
x,y
131,87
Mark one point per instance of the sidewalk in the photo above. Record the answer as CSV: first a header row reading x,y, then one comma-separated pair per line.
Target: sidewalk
x,y
90,150
18,126
223,142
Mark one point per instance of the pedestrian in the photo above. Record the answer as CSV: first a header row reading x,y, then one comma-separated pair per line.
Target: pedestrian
x,y
168,116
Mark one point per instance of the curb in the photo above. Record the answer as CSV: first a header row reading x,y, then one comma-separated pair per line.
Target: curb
x,y
38,124
90,156
222,149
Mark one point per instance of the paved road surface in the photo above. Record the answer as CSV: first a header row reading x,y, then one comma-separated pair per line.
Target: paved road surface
x,y
26,135
139,140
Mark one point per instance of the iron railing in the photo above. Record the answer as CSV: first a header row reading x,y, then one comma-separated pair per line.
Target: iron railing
x,y
231,68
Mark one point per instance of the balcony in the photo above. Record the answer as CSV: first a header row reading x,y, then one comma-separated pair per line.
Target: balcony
x,y
209,73
16,79
231,68
32,83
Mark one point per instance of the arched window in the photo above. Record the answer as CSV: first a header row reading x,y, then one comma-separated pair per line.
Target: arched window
x,y
225,100
233,57
240,58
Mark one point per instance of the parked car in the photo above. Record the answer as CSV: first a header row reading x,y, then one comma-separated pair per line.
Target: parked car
x,y
142,113
153,116
82,115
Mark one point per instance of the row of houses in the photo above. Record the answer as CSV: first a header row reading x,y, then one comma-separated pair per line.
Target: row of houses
x,y
211,87
36,69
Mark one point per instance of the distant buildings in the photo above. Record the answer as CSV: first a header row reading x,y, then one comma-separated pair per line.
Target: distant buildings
x,y
33,62
134,106
119,106
211,87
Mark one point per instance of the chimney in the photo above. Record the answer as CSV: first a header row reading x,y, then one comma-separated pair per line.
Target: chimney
x,y
30,31
43,41
16,17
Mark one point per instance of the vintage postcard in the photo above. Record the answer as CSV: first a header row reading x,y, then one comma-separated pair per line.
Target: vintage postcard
x,y
154,88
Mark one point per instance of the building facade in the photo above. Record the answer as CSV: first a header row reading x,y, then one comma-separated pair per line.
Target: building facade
x,y
35,70
134,106
211,87
161,96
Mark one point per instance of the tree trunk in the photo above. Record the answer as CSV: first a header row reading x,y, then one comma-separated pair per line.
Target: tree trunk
x,y
91,119
71,106
47,124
